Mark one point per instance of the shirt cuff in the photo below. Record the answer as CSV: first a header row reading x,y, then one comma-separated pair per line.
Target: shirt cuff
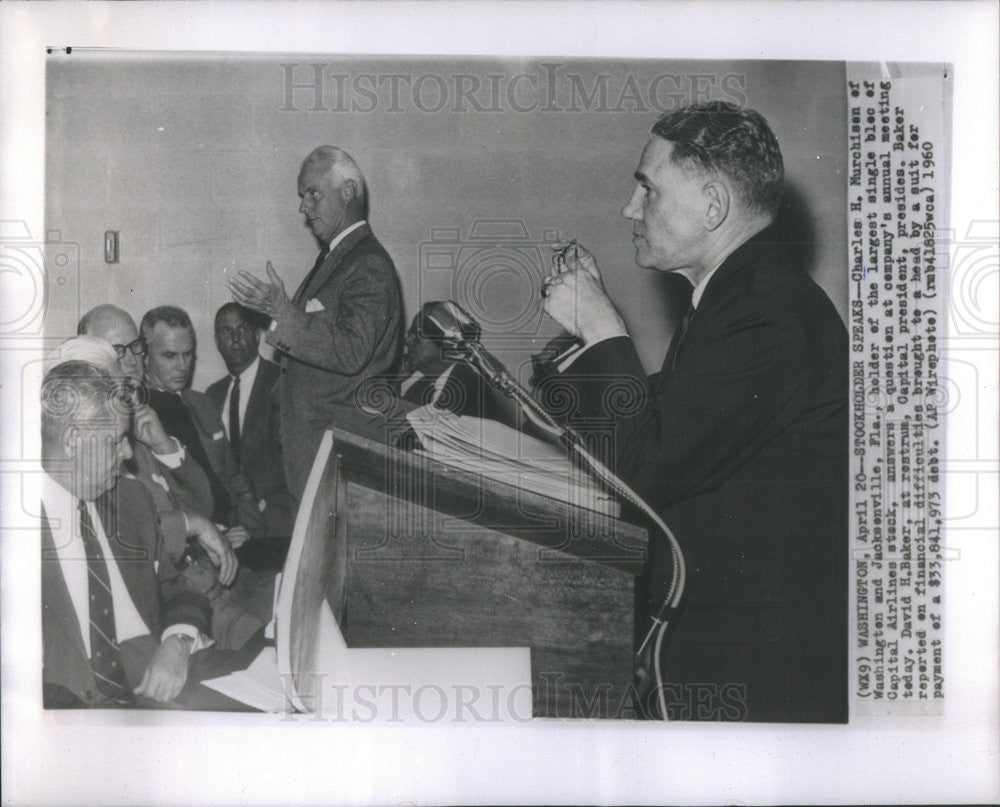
x,y
564,361
175,458
200,640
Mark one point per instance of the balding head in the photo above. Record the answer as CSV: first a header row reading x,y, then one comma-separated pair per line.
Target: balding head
x,y
116,327
85,419
332,190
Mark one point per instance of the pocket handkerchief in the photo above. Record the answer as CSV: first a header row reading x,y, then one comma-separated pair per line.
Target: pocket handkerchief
x,y
313,305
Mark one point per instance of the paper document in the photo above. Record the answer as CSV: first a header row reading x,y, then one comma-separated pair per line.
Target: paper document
x,y
499,452
258,685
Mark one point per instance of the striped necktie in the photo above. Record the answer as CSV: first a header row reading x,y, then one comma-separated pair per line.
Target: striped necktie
x,y
105,660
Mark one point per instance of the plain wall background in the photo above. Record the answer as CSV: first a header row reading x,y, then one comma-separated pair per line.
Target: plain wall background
x,y
194,159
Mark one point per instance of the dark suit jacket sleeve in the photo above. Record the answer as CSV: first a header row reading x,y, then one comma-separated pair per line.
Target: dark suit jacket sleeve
x,y
740,381
243,495
342,338
172,522
189,484
208,421
217,392
179,604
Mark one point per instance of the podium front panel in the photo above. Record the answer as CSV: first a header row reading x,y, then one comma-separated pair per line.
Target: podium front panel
x,y
429,567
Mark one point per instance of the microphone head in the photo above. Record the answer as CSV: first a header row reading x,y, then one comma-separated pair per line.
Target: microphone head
x,y
447,323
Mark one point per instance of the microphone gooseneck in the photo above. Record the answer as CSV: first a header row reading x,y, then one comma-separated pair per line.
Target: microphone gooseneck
x,y
460,335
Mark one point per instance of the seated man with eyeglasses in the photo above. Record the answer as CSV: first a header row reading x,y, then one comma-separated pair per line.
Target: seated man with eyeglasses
x,y
156,455
171,474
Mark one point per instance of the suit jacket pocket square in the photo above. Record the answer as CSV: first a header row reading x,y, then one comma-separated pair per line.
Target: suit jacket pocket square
x,y
313,305
218,435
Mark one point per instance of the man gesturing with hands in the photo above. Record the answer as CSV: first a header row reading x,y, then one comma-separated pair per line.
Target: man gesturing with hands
x,y
740,440
343,325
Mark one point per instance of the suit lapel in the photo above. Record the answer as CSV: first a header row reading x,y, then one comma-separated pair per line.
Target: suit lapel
x,y
55,594
217,392
204,425
715,290
203,429
316,280
132,559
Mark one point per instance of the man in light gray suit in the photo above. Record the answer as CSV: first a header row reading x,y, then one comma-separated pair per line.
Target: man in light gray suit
x,y
343,326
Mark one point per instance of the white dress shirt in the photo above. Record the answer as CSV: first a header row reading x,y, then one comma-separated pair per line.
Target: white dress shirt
x,y
344,233
64,522
699,290
439,382
175,458
247,378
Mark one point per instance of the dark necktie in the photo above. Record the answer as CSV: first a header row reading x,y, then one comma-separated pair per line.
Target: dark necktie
x,y
234,417
305,283
675,343
105,659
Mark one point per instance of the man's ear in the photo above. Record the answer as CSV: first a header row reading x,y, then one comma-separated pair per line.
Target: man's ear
x,y
717,200
70,442
348,191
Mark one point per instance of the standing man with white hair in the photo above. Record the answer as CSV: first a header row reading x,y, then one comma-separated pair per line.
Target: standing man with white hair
x,y
343,325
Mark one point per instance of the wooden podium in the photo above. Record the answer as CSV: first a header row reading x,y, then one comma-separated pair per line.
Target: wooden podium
x,y
409,552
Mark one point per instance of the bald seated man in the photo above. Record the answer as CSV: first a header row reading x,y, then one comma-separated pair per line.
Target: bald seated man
x,y
170,474
343,325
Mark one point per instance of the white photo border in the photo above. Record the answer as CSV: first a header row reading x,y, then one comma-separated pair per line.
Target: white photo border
x,y
223,759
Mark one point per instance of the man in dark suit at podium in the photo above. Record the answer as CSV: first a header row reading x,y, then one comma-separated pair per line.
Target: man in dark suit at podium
x,y
343,325
740,441
248,401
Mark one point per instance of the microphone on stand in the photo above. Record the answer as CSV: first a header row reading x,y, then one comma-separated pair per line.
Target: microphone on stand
x,y
460,335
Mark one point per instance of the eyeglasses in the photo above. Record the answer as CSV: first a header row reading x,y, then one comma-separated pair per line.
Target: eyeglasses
x,y
138,347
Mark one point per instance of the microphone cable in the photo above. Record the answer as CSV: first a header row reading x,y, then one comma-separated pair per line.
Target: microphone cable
x,y
652,645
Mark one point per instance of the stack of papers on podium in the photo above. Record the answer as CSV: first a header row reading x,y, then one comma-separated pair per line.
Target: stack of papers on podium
x,y
501,453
